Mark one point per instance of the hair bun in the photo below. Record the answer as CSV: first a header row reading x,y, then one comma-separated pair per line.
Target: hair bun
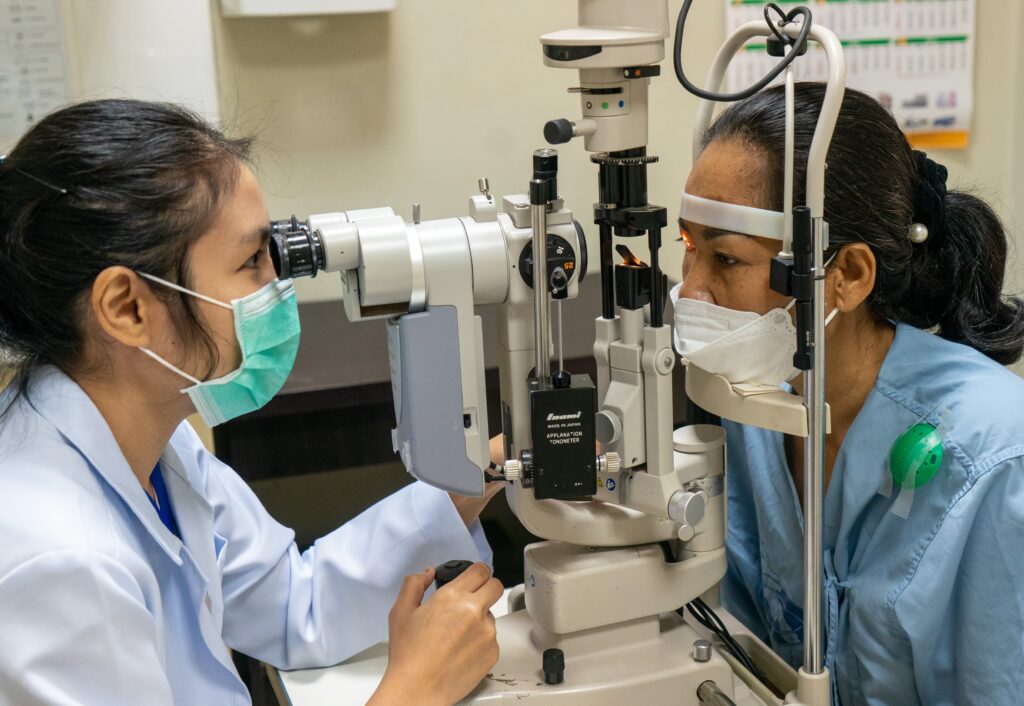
x,y
930,195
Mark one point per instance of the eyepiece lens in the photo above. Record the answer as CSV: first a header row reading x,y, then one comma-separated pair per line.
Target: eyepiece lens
x,y
294,251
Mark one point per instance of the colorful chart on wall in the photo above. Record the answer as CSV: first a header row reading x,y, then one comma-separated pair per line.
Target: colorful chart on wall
x,y
915,56
33,66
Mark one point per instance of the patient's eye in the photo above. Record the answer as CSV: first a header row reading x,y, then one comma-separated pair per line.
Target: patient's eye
x,y
686,238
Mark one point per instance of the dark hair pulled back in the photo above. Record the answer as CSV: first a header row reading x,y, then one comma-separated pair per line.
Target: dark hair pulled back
x,y
876,187
94,185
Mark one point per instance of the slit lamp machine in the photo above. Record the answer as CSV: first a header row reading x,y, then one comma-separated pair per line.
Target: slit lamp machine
x,y
635,531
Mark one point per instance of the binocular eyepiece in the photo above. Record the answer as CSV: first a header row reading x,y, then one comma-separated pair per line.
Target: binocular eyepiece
x,y
295,249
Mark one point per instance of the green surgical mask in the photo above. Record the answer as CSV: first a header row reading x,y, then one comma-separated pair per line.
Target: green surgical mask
x,y
267,328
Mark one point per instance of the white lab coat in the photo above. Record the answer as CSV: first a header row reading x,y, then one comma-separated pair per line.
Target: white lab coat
x,y
100,605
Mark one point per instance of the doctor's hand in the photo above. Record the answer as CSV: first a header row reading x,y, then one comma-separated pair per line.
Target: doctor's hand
x,y
470,507
439,651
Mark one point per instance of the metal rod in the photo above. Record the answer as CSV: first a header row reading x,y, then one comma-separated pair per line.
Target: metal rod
x,y
814,470
788,176
607,272
561,349
541,312
657,298
709,693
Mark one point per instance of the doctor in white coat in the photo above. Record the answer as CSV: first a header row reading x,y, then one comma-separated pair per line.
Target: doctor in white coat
x,y
135,289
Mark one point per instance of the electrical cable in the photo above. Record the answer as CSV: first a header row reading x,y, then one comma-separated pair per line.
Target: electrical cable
x,y
797,45
706,616
498,476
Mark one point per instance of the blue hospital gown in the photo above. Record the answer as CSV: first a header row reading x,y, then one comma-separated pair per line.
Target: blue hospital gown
x,y
922,609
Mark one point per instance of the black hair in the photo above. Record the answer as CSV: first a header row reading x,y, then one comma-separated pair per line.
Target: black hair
x,y
95,185
876,187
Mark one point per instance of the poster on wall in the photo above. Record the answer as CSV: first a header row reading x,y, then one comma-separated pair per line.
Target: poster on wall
x,y
33,65
915,56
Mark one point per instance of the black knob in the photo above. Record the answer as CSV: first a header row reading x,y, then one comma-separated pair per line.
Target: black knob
x,y
545,164
559,280
558,131
554,666
561,380
449,571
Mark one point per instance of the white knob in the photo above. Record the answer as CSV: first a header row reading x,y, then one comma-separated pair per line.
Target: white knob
x,y
687,509
513,470
612,463
608,427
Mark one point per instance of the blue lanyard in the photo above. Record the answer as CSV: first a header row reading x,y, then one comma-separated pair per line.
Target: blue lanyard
x,y
162,504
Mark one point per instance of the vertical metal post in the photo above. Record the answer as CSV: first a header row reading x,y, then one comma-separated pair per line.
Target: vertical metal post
x,y
607,272
657,296
814,468
542,361
543,192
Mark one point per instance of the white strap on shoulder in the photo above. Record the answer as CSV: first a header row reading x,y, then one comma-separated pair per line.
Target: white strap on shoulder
x,y
731,217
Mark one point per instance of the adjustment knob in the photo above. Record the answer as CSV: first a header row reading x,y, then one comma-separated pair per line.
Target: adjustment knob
x,y
558,132
702,651
553,666
687,509
612,463
513,470
608,427
449,571
561,380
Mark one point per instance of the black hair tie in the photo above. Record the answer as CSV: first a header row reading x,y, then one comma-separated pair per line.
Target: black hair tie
x,y
930,197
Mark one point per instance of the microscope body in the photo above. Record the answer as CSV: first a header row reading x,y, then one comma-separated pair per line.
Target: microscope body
x,y
424,279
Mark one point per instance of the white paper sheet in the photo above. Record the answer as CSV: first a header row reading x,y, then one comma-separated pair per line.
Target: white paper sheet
x,y
33,64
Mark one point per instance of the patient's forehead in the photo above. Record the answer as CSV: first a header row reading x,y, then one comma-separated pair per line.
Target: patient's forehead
x,y
732,171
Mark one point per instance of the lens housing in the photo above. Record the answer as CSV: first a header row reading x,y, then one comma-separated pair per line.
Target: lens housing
x,y
295,251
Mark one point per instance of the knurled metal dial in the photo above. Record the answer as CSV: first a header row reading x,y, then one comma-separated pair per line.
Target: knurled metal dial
x,y
513,470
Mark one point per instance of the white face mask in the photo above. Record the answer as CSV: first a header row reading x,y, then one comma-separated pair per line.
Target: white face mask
x,y
741,346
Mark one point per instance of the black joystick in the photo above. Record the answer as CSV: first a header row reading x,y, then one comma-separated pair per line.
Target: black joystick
x,y
449,571
554,666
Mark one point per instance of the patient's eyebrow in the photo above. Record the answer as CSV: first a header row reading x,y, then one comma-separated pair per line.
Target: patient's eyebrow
x,y
706,232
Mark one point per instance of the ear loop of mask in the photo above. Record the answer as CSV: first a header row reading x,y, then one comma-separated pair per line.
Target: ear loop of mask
x,y
171,366
163,361
185,290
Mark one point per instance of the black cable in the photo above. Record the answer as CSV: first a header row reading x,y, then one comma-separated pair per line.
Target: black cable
x,y
797,45
498,476
706,616
772,7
